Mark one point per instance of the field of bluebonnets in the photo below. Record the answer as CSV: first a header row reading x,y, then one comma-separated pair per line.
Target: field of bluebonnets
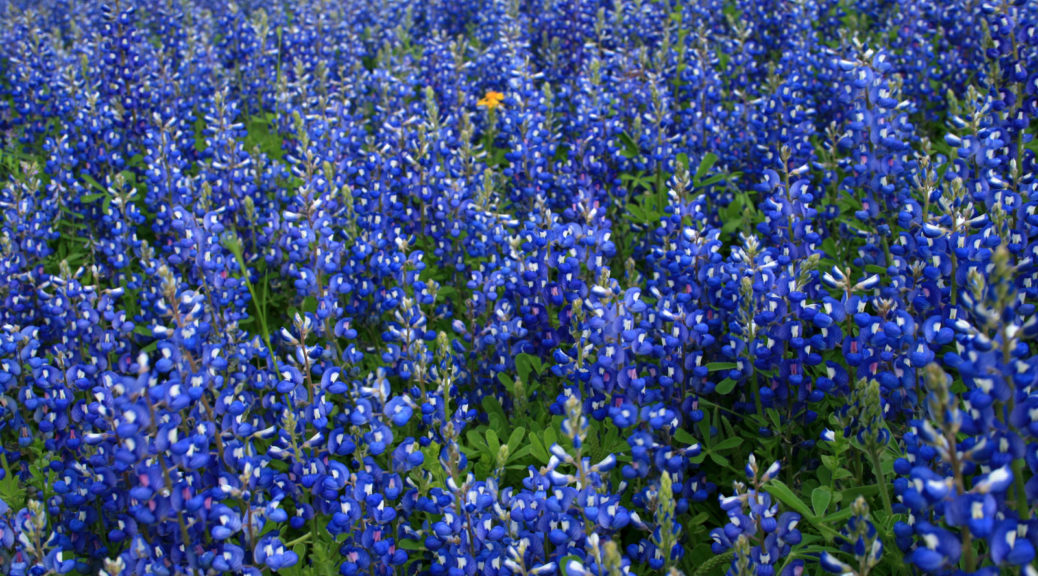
x,y
518,287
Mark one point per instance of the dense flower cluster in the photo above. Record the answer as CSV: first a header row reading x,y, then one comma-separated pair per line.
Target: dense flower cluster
x,y
518,287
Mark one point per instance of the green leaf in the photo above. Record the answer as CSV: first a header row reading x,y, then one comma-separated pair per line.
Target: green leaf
x,y
849,203
550,436
268,527
725,387
839,517
514,439
526,363
93,183
445,292
829,247
682,435
508,382
718,366
719,459
408,544
636,213
704,430
729,443
493,407
325,553
493,442
705,164
782,493
722,61
519,454
11,490
714,180
631,149
841,473
852,493
734,209
697,519
539,451
475,440
830,462
779,490
820,499
613,443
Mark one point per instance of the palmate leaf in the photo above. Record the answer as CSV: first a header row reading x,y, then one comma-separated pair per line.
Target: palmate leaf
x,y
527,363
11,490
630,147
326,556
781,492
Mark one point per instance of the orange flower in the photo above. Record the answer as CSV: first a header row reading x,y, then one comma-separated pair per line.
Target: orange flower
x,y
491,100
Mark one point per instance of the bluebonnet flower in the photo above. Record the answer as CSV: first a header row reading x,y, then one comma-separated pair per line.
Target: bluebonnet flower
x,y
759,535
861,542
270,551
271,279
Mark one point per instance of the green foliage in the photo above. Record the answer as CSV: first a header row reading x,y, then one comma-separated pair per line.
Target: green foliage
x,y
821,497
491,455
321,560
503,445
649,194
261,134
539,443
12,492
713,447
716,565
30,480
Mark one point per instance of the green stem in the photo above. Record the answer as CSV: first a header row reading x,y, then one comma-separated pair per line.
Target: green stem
x,y
884,488
300,540
234,246
954,280
756,393
969,556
